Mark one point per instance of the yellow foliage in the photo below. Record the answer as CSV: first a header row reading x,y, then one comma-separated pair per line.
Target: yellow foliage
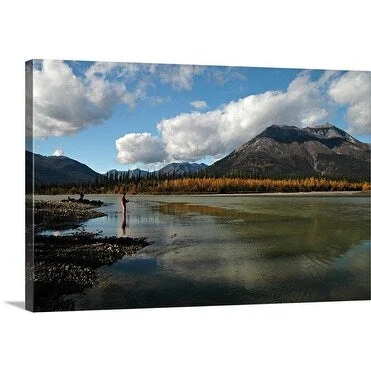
x,y
219,185
239,185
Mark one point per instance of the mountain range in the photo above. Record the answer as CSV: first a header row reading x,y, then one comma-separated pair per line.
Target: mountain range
x,y
170,170
278,152
64,170
173,169
181,168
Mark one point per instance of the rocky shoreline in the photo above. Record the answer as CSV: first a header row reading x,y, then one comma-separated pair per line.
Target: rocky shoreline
x,y
67,264
60,215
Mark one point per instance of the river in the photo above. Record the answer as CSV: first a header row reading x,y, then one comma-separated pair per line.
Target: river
x,y
233,249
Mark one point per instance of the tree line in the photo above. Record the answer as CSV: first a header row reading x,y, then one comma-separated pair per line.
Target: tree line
x,y
147,183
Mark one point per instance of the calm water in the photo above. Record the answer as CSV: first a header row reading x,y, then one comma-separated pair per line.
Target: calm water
x,y
234,249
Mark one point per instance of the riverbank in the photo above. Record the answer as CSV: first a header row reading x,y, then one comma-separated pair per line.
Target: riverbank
x,y
60,215
64,265
67,265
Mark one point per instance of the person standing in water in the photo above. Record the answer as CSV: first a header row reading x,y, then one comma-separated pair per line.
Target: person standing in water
x,y
124,201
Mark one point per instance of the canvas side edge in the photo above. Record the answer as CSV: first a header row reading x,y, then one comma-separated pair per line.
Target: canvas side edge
x,y
29,196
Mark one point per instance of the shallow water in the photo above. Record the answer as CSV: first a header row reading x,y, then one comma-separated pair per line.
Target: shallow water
x,y
209,250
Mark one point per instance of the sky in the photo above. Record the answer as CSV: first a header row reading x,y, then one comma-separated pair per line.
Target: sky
x,y
126,115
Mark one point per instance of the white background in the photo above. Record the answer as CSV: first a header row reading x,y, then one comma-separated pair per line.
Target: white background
x,y
304,34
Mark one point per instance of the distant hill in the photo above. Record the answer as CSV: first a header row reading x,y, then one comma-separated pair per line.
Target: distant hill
x,y
288,151
173,169
57,170
130,173
182,168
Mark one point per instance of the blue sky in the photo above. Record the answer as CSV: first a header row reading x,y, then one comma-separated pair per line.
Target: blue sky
x,y
122,116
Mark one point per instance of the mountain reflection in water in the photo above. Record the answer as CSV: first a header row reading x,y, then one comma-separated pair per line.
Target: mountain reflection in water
x,y
210,250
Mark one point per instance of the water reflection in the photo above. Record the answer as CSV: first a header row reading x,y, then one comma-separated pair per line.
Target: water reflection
x,y
293,256
229,250
123,224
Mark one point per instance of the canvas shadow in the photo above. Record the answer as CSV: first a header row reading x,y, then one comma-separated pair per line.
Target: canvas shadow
x,y
17,304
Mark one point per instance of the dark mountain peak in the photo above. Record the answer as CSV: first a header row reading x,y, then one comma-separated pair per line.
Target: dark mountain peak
x,y
60,157
57,170
288,151
286,134
321,132
137,171
181,168
329,131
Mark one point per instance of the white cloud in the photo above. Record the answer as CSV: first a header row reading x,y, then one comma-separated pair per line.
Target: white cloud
x,y
223,75
191,136
127,72
199,104
58,152
64,104
179,77
102,68
142,147
352,89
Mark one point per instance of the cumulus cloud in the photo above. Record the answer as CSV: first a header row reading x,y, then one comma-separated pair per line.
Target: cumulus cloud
x,y
352,89
191,136
180,77
65,104
58,152
140,147
198,104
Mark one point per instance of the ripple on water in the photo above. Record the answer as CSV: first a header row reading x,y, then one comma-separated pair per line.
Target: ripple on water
x,y
210,250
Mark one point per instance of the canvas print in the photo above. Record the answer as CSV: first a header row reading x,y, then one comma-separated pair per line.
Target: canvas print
x,y
158,185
